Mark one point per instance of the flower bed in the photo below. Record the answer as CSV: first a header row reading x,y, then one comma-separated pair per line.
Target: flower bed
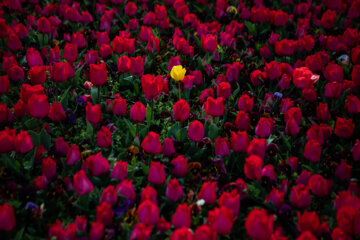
x,y
179,119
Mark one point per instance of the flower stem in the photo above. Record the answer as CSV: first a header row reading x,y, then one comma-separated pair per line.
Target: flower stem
x,y
99,89
179,86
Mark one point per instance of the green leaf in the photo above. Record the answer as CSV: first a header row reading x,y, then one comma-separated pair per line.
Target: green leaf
x,y
148,114
251,27
131,127
35,137
19,234
95,94
145,168
31,123
45,139
173,130
89,130
181,134
213,131
64,98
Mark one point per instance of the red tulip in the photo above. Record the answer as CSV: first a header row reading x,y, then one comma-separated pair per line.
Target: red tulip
x,y
174,191
312,150
276,197
259,225
126,189
148,212
168,147
130,9
138,112
214,107
300,196
43,25
149,193
196,131
328,19
82,185
37,74
257,147
33,57
245,103
355,74
97,231
119,106
181,110
292,127
123,64
264,127
182,216
343,171
23,142
16,73
38,106
60,71
253,166
105,50
239,141
334,73
13,43
48,168
137,66
344,128
209,42
56,112
4,84
141,231
273,70
7,138
180,166
205,232
7,217
151,86
242,121
93,113
348,220
221,220
40,183
355,150
103,137
91,57
104,213
231,201
224,90
352,104
303,78
119,171
156,173
61,146
208,192
98,74
318,185
70,52
97,164
322,112
222,147
73,155
182,234
151,143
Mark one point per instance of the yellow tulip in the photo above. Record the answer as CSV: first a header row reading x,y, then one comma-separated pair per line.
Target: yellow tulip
x,y
178,73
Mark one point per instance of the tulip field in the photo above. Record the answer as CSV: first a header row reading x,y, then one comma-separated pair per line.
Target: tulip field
x,y
179,119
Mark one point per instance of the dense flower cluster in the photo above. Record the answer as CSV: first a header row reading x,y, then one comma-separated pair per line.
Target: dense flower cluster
x,y
180,119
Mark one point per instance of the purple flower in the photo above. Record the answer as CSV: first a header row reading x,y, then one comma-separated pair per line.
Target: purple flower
x,y
278,95
120,210
31,206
